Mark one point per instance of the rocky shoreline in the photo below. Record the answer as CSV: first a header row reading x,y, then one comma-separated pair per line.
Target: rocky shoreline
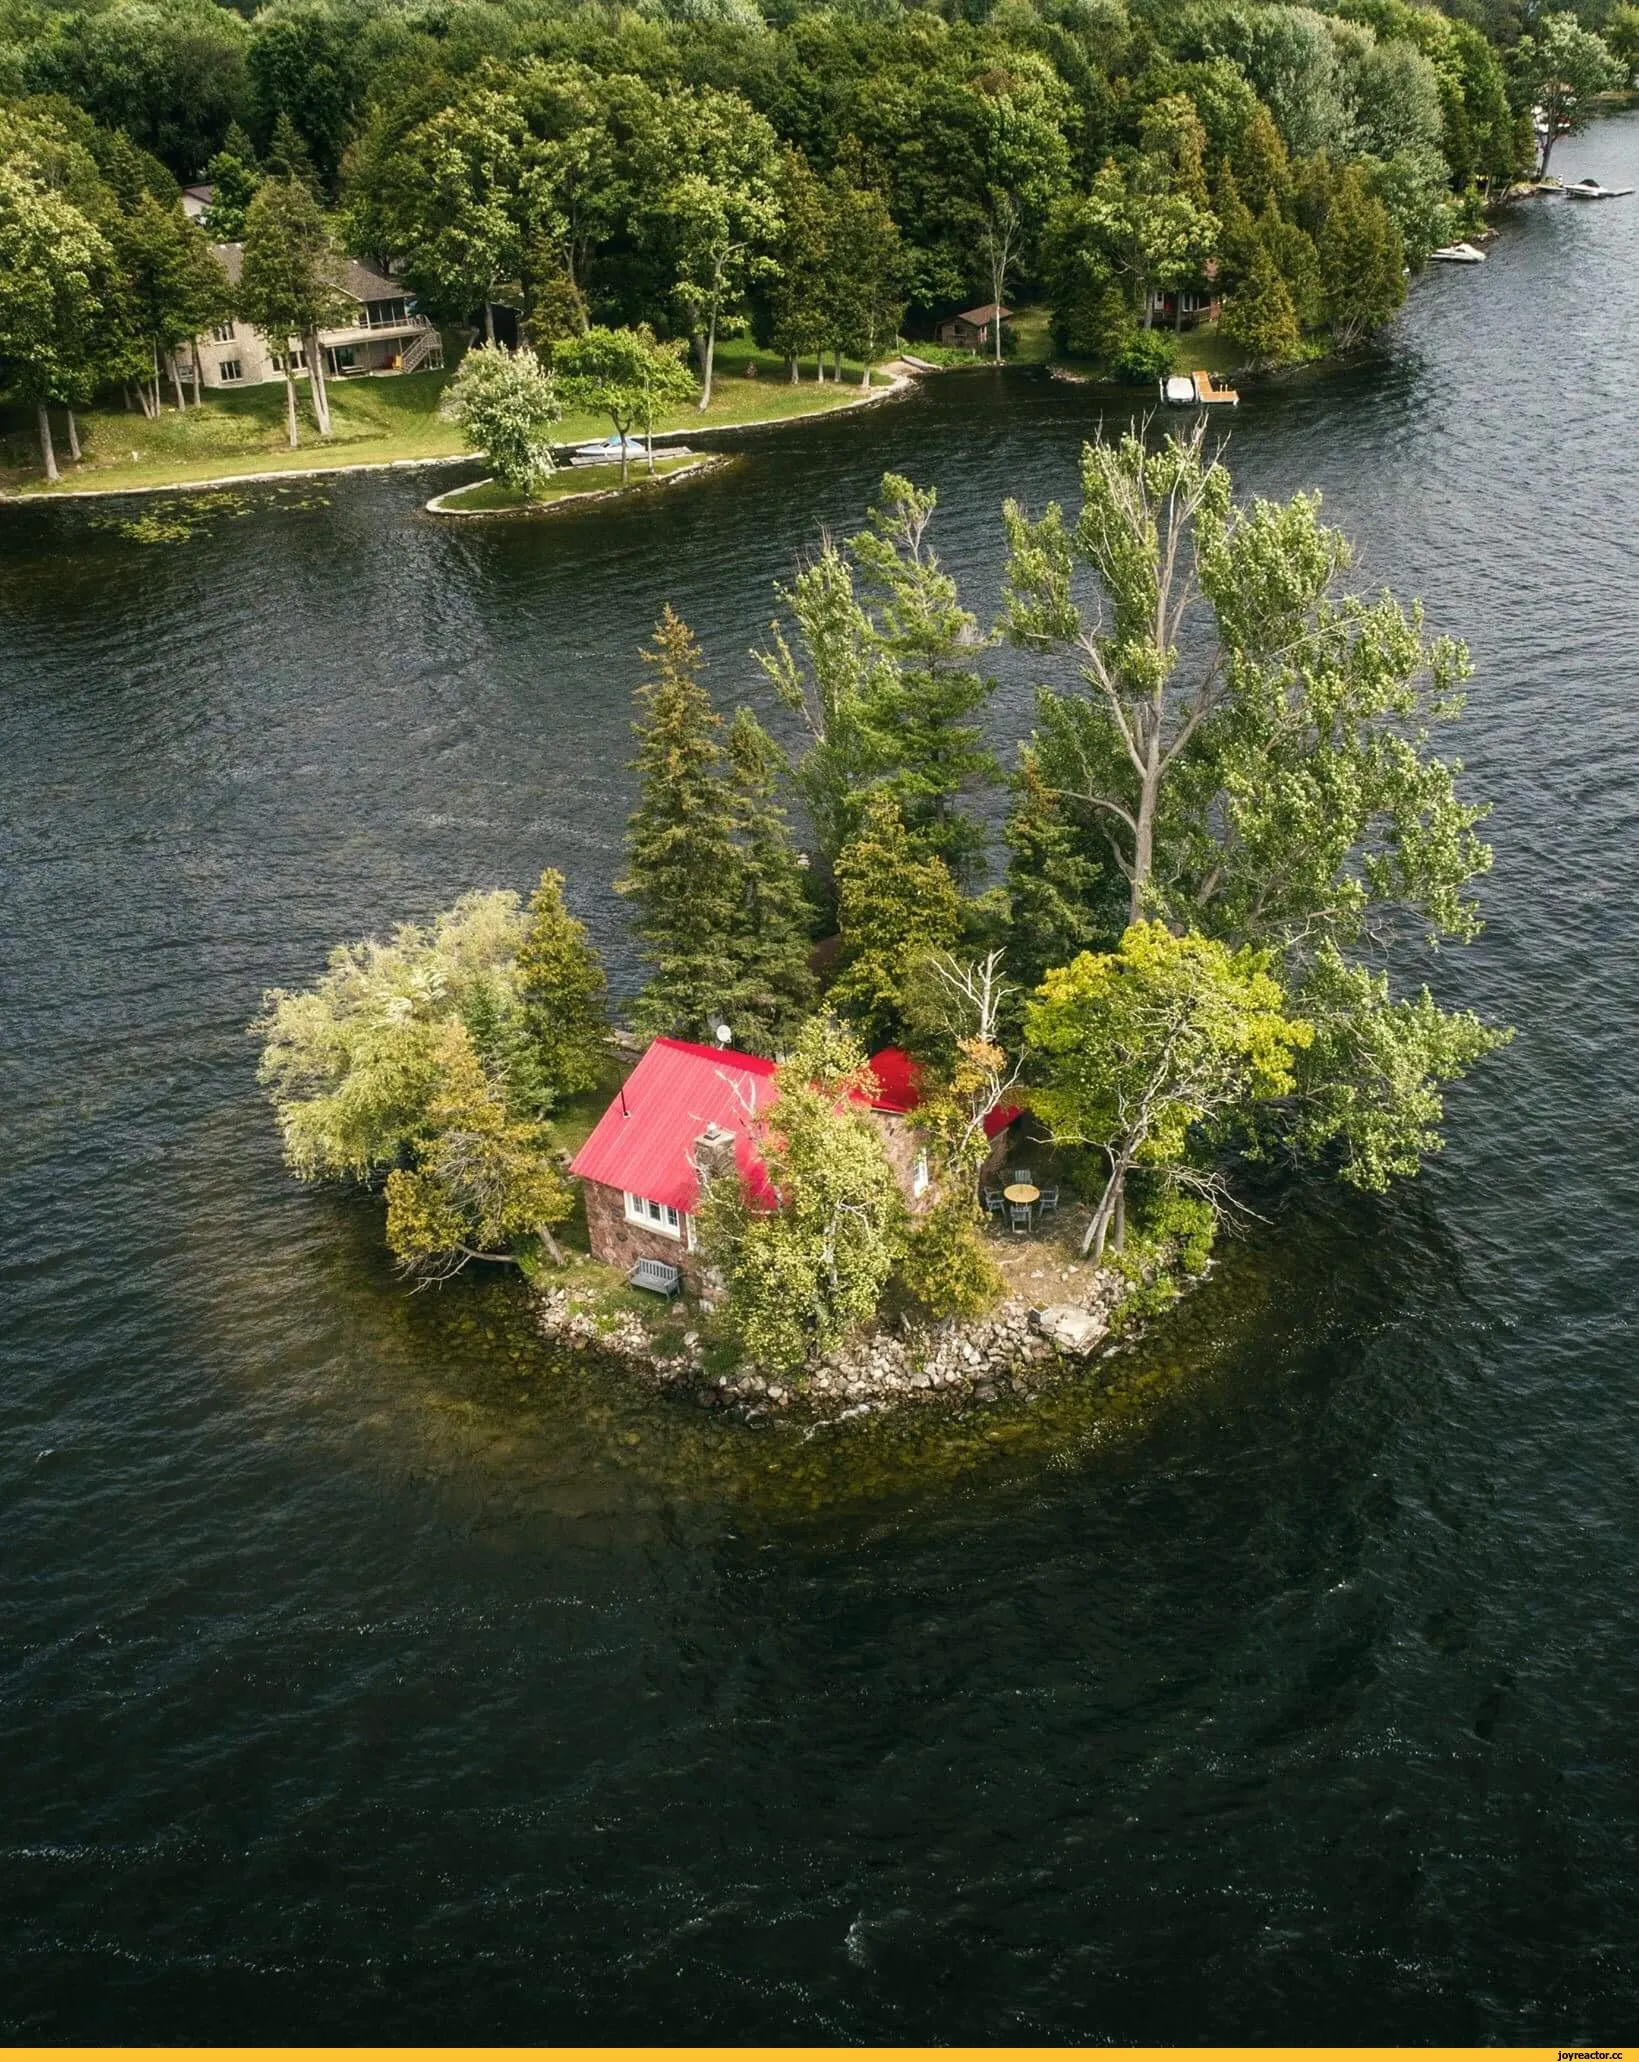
x,y
1012,1350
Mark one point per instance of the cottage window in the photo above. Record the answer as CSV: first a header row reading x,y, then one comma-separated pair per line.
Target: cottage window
x,y
919,1180
653,1216
223,332
229,369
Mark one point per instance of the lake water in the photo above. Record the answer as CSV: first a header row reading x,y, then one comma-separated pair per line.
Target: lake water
x,y
367,1673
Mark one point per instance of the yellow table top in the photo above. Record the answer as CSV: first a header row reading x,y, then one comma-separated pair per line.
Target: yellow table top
x,y
1022,1192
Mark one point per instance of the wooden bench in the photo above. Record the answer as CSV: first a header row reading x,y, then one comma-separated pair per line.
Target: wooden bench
x,y
659,1275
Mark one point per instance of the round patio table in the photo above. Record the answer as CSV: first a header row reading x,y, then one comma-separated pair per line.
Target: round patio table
x,y
1022,1192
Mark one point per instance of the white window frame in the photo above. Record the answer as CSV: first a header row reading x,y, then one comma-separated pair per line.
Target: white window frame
x,y
229,370
223,332
648,1215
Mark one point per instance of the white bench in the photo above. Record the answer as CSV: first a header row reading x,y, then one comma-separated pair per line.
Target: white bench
x,y
659,1275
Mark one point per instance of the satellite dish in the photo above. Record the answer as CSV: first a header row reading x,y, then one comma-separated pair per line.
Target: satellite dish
x,y
724,1035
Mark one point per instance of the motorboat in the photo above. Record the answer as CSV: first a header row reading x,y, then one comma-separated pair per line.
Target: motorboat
x,y
1197,390
1590,189
607,450
1459,254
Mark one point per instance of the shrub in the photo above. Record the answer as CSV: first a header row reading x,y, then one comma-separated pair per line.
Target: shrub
x,y
1144,356
944,1269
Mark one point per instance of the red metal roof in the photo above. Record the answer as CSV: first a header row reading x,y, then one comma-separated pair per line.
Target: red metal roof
x,y
898,1081
644,1141
899,1089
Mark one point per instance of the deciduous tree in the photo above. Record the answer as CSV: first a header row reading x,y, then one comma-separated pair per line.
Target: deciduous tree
x,y
803,1274
1562,68
1138,1049
626,375
284,285
506,404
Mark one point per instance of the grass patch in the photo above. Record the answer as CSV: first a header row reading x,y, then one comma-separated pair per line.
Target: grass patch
x,y
1030,331
490,497
1193,350
375,422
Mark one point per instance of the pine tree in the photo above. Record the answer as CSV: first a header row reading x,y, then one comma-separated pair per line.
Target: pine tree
x,y
288,156
923,705
1237,228
683,868
1258,317
774,985
1262,168
1057,890
895,905
233,177
800,300
1293,251
1362,262
563,991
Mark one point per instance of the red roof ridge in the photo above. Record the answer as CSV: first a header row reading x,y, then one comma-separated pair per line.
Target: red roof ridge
x,y
741,1062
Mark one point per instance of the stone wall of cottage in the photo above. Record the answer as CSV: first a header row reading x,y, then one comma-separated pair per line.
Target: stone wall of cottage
x,y
618,1242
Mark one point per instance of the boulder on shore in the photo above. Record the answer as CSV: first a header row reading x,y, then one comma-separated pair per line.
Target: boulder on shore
x,y
1070,1329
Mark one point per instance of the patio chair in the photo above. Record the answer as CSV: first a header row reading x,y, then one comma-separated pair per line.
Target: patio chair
x,y
1020,1216
992,1200
1047,1201
1023,1178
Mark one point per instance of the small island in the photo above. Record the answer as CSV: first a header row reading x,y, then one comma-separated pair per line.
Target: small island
x,y
881,1126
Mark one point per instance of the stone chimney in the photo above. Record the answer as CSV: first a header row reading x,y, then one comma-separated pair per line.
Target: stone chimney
x,y
714,1156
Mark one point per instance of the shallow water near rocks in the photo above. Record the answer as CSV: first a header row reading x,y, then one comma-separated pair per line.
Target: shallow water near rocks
x,y
369,1671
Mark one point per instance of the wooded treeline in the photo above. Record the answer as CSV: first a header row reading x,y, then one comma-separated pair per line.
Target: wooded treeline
x,y
817,175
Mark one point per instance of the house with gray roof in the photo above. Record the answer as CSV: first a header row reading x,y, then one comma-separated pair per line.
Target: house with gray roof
x,y
379,331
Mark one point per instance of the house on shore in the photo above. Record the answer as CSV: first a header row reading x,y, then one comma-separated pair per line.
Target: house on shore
x,y
681,1107
381,332
1189,306
687,1110
973,328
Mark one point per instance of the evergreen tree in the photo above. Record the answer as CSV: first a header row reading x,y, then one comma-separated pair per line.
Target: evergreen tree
x,y
233,177
1062,898
288,157
1258,317
774,985
1294,253
1237,230
564,993
895,905
932,751
1362,262
683,869
1262,168
800,300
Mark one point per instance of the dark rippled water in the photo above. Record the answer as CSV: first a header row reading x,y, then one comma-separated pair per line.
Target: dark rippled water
x,y
365,1673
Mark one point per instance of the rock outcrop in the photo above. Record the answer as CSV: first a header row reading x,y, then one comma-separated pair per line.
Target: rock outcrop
x,y
1011,1350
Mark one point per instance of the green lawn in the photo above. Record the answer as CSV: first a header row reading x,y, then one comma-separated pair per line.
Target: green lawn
x,y
489,496
376,421
1193,350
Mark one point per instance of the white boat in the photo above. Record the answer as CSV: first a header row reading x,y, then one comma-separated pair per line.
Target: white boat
x,y
1197,390
1590,189
1459,254
606,450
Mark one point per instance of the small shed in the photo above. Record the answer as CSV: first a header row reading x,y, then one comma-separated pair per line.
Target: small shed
x,y
973,328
